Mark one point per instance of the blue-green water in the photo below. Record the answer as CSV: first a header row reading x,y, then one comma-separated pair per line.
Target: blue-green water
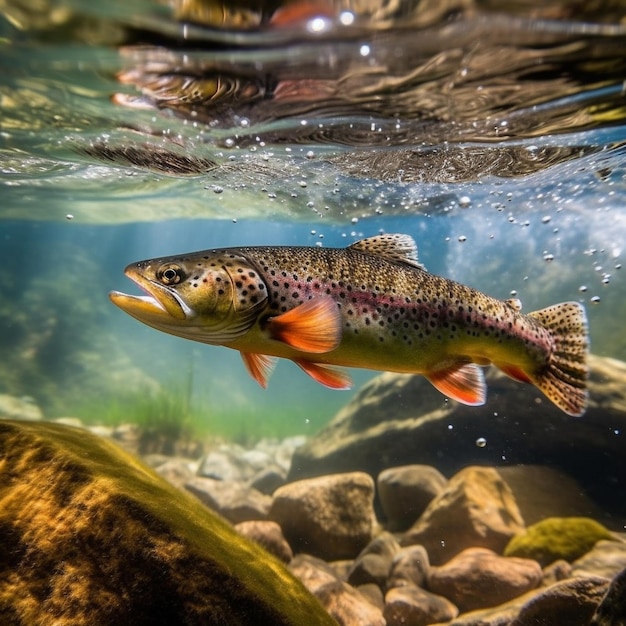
x,y
496,141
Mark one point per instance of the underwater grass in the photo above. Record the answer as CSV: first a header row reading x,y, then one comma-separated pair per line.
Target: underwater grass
x,y
174,413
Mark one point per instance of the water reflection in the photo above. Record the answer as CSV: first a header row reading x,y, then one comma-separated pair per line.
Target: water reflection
x,y
303,103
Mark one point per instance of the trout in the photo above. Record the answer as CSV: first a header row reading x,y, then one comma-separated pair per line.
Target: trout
x,y
371,305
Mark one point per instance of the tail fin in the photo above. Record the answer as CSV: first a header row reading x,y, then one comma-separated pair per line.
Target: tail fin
x,y
564,380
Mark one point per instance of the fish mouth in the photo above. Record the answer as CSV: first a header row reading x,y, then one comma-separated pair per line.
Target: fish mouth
x,y
159,305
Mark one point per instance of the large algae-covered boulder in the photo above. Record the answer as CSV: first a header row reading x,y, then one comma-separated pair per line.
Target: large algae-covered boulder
x,y
89,535
399,419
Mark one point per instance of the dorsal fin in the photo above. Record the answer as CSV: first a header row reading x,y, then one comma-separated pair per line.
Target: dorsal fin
x,y
398,248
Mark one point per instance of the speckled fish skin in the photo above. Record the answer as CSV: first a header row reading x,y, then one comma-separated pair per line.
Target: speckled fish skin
x,y
370,305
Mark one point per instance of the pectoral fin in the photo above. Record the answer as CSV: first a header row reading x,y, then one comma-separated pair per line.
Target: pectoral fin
x,y
326,375
314,326
464,383
259,366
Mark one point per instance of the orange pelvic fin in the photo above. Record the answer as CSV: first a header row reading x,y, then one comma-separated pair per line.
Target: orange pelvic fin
x,y
259,366
464,383
327,375
314,326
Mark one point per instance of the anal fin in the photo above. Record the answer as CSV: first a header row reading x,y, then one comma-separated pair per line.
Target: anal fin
x,y
259,366
514,372
464,383
327,375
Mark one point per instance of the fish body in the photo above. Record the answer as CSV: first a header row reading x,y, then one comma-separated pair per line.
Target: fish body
x,y
371,305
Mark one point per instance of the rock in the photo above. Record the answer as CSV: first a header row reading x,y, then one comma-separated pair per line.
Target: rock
x,y
232,499
282,451
478,578
412,606
410,566
97,537
570,602
268,480
176,471
612,608
542,492
555,538
373,594
606,559
476,509
269,535
344,603
555,572
23,408
331,517
128,437
398,419
223,464
372,565
341,568
501,615
405,492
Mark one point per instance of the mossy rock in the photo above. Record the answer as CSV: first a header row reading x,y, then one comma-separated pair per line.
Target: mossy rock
x,y
90,535
557,538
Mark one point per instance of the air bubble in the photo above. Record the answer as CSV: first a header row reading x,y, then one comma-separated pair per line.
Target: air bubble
x,y
69,217
346,18
462,238
595,300
548,257
465,201
545,219
481,442
582,288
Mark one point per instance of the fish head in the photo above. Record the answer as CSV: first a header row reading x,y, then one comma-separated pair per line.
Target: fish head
x,y
213,296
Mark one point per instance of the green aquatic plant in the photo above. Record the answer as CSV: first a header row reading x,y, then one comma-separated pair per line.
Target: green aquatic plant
x,y
174,413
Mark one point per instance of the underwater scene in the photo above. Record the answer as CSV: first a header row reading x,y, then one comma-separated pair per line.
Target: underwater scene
x,y
312,312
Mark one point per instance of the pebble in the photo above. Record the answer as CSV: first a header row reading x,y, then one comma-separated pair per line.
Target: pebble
x,y
315,518
372,565
478,578
342,601
231,499
412,606
410,566
606,559
476,508
405,492
612,608
267,534
572,602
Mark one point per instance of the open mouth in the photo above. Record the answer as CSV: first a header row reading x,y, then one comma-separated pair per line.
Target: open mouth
x,y
159,304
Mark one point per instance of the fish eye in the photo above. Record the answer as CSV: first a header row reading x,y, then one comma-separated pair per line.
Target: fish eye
x,y
170,274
